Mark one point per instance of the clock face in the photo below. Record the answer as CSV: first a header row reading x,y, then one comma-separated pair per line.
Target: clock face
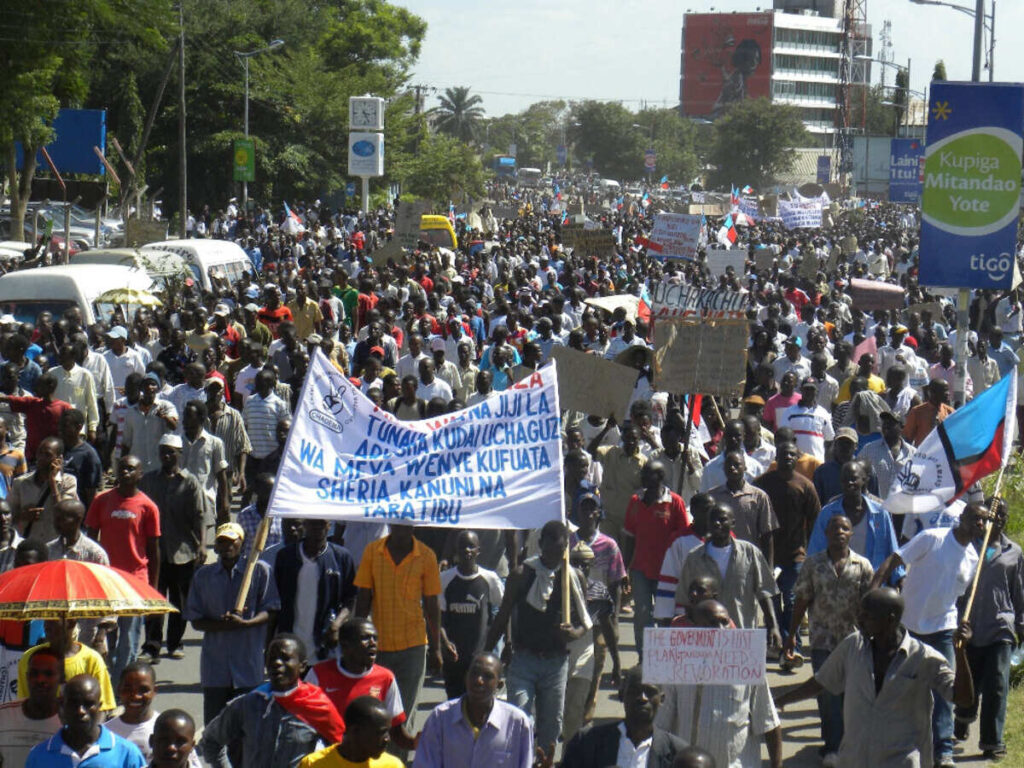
x,y
364,115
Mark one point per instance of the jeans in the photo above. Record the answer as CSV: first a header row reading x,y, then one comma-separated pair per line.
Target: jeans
x,y
942,710
408,666
643,607
786,599
129,637
536,684
990,668
830,708
175,581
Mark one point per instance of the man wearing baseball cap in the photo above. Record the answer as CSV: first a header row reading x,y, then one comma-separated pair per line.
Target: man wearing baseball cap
x,y
231,662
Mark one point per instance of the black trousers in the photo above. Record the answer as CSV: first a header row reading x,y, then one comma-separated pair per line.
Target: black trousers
x,y
174,583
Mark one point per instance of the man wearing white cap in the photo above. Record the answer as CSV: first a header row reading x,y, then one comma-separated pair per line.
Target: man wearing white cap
x,y
179,497
445,370
121,358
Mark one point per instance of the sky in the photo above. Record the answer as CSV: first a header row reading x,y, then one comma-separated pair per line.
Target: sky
x,y
516,52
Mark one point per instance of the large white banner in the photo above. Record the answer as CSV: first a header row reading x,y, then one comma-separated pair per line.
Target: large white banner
x,y
801,214
496,464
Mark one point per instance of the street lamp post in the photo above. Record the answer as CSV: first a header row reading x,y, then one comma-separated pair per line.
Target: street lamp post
x,y
244,57
980,17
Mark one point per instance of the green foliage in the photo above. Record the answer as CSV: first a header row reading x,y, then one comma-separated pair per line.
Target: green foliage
x,y
49,54
616,139
459,114
298,94
444,168
754,141
536,131
872,109
939,73
603,133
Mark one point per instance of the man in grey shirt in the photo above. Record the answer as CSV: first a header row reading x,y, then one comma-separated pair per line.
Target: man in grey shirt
x,y
887,677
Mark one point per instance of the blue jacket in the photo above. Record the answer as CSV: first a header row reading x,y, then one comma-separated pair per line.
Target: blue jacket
x,y
881,536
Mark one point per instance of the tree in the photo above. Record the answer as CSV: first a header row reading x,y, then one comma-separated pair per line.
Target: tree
x,y
674,144
536,131
444,168
459,114
49,63
939,73
754,141
603,134
875,109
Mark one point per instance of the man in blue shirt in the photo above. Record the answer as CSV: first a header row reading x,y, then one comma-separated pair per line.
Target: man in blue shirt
x,y
873,534
83,742
231,662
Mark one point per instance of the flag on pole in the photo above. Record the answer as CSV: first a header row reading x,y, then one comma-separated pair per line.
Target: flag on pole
x,y
664,182
734,198
747,190
727,234
971,443
292,223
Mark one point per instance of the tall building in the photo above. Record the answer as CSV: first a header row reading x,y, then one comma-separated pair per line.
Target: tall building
x,y
791,55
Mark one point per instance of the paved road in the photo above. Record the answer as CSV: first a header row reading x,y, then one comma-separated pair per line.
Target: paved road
x,y
178,687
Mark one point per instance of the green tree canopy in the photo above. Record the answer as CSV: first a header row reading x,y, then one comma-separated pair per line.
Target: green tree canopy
x,y
754,141
939,73
459,113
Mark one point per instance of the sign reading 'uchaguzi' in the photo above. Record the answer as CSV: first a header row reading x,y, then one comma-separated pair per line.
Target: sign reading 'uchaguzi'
x,y
496,464
678,301
971,197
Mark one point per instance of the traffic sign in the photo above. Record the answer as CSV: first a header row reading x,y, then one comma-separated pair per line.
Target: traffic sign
x,y
350,189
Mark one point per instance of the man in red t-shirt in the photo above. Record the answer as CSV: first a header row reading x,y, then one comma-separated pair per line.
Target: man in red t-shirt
x,y
654,519
357,674
42,413
273,313
126,523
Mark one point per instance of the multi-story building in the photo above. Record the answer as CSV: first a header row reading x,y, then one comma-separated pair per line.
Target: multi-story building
x,y
790,55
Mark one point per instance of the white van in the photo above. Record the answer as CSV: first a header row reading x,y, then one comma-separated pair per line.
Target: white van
x,y
27,293
159,265
202,256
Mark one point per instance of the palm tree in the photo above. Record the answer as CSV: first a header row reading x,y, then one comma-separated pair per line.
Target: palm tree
x,y
459,113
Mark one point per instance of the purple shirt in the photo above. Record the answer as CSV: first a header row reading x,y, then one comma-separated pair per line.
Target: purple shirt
x,y
506,739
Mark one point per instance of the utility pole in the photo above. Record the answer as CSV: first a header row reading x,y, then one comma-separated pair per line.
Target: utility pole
x,y
182,161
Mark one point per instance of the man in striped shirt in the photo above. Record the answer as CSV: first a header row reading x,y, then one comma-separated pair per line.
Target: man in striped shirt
x,y
261,413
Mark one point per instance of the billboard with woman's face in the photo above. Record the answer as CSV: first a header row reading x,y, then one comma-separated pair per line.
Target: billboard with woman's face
x,y
726,58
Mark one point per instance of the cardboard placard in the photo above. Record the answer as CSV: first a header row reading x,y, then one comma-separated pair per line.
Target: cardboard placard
x,y
719,260
764,259
935,307
407,224
589,242
809,266
869,295
590,384
701,656
502,212
706,357
139,232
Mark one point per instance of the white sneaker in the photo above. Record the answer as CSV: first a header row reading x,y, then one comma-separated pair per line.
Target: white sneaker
x,y
831,760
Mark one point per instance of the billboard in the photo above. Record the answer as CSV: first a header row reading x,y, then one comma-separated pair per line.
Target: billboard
x,y
906,158
76,132
726,58
970,202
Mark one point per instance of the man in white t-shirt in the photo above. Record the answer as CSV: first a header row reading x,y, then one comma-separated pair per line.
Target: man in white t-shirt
x,y
811,423
430,386
25,723
941,563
